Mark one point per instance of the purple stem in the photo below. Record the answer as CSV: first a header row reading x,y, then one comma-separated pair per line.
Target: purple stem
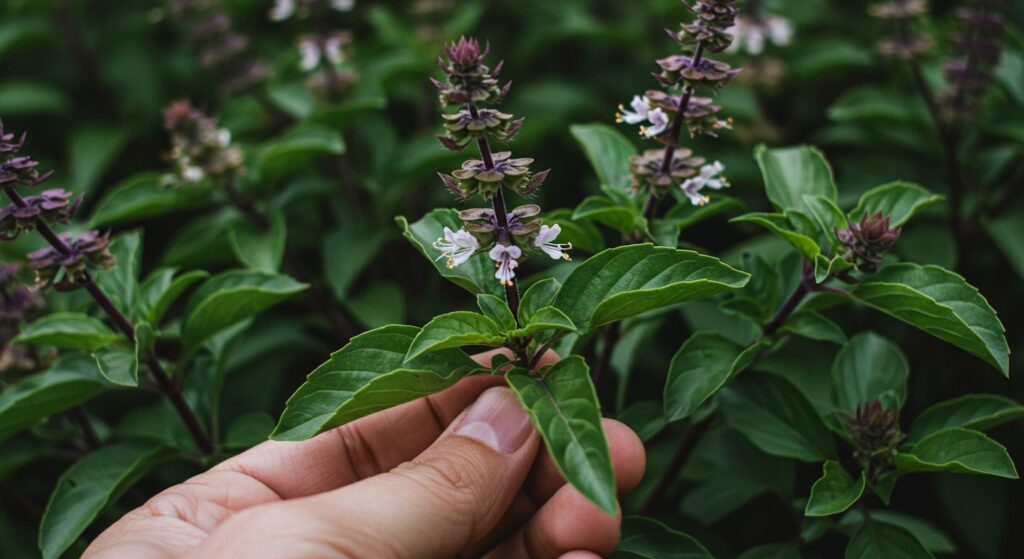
x,y
166,384
501,214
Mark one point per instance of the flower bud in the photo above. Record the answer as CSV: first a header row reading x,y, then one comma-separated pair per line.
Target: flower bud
x,y
875,434
867,240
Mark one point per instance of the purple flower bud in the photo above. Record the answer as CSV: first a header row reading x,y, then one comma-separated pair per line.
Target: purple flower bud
x,y
200,151
875,434
867,240
65,272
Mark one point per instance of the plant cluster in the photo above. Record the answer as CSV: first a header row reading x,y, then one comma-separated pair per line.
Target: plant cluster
x,y
802,347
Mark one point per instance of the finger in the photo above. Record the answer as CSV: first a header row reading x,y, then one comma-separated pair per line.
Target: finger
x,y
628,461
452,494
363,448
566,523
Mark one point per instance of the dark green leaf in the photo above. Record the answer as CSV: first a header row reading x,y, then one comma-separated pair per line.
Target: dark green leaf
x,y
971,411
867,367
161,289
772,551
813,326
121,282
119,365
496,309
777,418
67,330
547,318
1005,231
69,381
959,451
31,98
564,408
834,492
931,537
828,216
941,303
899,200
702,366
378,305
780,225
249,430
881,540
685,214
455,329
294,150
141,197
87,488
646,418
231,297
626,281
791,173
259,248
537,296
583,234
608,152
91,151
624,219
346,254
475,275
650,539
368,375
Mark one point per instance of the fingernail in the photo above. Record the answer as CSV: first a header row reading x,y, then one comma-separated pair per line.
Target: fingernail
x,y
497,420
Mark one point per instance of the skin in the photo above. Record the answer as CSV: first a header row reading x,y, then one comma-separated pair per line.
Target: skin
x,y
400,483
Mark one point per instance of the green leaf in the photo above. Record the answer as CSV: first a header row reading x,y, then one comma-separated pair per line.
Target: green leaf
x,y
685,214
496,309
650,539
294,149
231,297
781,227
899,200
91,151
583,234
791,173
772,551
142,197
1005,231
825,268
834,492
646,418
21,97
941,303
87,488
346,254
960,451
867,367
475,275
828,216
564,408
258,248
161,289
455,329
777,418
69,381
249,430
624,219
700,368
881,540
378,305
971,411
67,330
539,295
119,365
932,538
121,282
813,326
626,281
368,375
608,152
547,318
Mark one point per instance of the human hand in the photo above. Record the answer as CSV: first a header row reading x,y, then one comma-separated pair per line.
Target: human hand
x,y
459,473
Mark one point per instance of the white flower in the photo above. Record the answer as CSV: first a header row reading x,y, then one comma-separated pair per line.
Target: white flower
x,y
640,105
752,34
343,5
505,260
332,49
544,242
282,10
224,137
456,246
192,173
309,54
659,122
709,177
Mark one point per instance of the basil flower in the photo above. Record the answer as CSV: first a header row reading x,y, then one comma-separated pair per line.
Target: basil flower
x,y
475,176
456,247
866,240
647,167
312,49
709,177
751,34
641,107
88,249
505,258
544,241
659,123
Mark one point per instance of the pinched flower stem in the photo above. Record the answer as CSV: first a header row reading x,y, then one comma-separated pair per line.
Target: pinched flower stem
x,y
674,134
500,213
164,381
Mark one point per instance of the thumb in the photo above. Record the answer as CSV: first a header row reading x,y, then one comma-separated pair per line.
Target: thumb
x,y
449,497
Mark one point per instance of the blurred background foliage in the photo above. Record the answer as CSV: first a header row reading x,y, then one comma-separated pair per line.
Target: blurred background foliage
x,y
89,80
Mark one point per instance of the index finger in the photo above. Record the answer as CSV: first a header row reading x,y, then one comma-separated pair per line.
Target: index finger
x,y
365,447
